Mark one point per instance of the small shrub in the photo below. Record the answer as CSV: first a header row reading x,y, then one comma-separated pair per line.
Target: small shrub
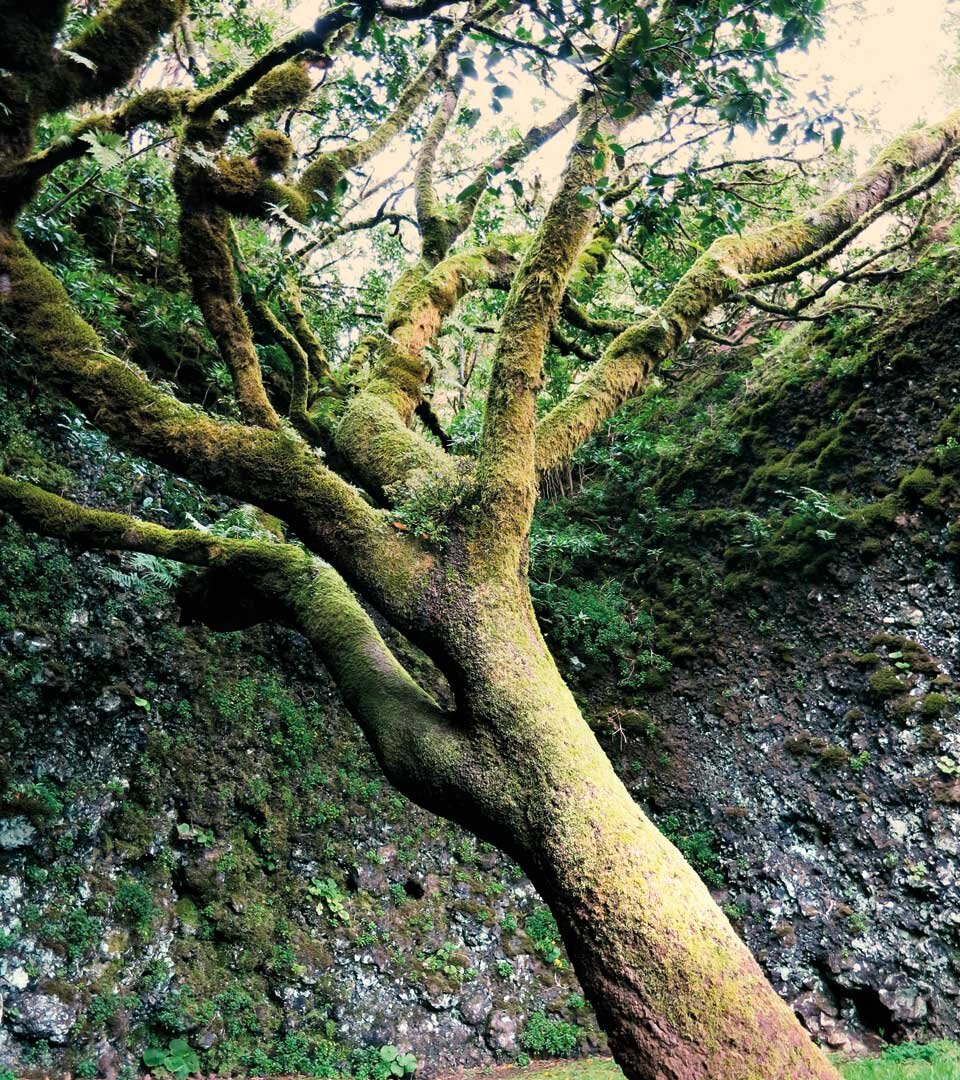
x,y
544,1037
133,904
542,929
696,846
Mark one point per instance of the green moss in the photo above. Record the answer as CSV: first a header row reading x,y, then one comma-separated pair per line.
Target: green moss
x,y
917,483
886,683
865,660
272,151
934,705
902,707
282,88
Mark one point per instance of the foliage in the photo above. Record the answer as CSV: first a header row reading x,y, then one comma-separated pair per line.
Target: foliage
x,y
330,899
546,1037
177,1059
542,929
399,1064
696,845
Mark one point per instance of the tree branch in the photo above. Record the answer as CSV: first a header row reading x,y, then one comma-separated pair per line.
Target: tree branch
x,y
319,180
111,50
374,435
274,469
776,253
414,739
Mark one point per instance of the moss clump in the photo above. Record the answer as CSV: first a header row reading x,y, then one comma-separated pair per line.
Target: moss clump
x,y
902,707
320,182
886,683
918,483
834,757
865,660
272,152
877,518
934,705
282,88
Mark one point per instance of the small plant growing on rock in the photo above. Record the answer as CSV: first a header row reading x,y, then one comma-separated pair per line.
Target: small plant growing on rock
x,y
399,1064
178,1059
541,928
544,1037
330,899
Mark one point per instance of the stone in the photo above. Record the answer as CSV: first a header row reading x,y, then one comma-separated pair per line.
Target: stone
x,y
17,978
502,1032
16,832
44,1016
475,1004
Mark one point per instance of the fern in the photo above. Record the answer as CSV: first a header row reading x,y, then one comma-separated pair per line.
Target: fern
x,y
146,575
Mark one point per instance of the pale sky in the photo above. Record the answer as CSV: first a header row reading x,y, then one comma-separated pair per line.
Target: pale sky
x,y
889,53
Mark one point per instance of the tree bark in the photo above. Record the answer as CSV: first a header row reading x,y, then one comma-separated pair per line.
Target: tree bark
x,y
675,989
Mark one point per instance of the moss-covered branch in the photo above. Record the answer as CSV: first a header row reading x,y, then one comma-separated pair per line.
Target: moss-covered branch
x,y
730,263
374,435
209,192
112,47
415,741
319,181
302,381
271,468
317,362
316,39
437,228
160,105
469,197
505,465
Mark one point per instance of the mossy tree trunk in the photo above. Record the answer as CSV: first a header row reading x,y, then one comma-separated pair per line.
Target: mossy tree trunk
x,y
675,989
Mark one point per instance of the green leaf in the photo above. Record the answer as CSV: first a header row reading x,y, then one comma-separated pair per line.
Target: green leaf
x,y
104,155
179,1047
836,136
142,703
152,1057
621,112
599,159
469,192
388,1053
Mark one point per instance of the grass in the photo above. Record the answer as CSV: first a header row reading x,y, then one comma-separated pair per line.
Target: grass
x,y
911,1061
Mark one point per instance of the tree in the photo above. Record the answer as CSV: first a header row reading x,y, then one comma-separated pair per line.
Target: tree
x,y
360,450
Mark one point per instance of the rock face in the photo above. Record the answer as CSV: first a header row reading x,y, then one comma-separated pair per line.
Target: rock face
x,y
43,1016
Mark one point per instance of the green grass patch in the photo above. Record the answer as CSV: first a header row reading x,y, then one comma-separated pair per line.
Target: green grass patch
x,y
910,1061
